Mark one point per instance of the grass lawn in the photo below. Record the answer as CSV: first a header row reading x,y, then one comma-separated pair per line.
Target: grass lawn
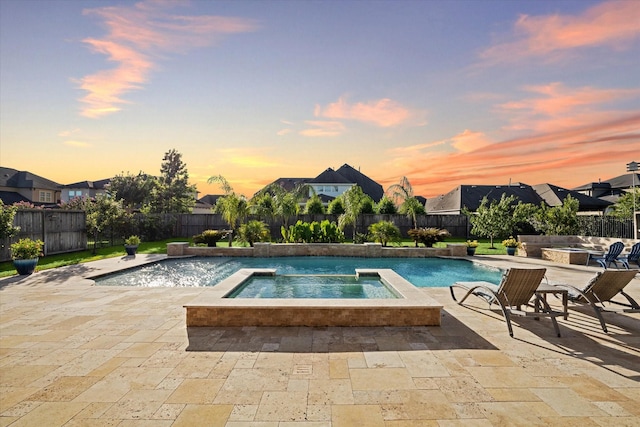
x,y
160,247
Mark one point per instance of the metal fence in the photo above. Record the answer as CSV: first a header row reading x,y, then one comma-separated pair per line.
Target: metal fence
x,y
606,226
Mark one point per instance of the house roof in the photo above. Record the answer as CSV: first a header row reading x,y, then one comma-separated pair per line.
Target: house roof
x,y
91,185
11,197
554,196
470,196
209,199
329,176
369,186
619,182
24,179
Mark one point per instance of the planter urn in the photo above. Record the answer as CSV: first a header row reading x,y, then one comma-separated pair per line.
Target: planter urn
x,y
24,267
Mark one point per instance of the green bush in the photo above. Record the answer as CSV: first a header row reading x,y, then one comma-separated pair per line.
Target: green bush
x,y
428,236
26,249
253,231
210,237
385,232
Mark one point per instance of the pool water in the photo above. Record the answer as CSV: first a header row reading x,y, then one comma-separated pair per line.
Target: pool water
x,y
209,271
312,286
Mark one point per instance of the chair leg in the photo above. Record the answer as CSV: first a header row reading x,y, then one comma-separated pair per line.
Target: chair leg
x,y
547,307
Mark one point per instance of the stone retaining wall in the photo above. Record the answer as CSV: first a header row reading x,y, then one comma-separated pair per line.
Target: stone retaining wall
x,y
267,250
532,245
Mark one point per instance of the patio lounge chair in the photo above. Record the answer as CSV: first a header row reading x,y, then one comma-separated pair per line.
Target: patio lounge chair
x,y
516,289
601,289
633,256
611,256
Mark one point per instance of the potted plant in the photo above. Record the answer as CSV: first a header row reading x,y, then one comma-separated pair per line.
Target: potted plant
x,y
25,253
471,247
511,244
131,244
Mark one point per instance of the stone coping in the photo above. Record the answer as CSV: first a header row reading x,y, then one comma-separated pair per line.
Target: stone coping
x,y
413,307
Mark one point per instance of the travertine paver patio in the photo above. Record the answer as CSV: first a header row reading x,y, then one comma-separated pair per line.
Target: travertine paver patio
x,y
73,354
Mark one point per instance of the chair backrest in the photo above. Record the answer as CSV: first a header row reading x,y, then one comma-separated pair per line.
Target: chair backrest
x,y
607,284
614,250
634,255
519,284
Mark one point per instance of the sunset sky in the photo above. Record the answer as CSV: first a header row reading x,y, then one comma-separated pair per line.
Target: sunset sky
x,y
442,92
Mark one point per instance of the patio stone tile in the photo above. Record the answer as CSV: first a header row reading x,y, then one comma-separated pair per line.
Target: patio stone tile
x,y
566,402
55,414
330,392
338,368
103,356
381,379
197,391
64,389
353,415
282,406
22,376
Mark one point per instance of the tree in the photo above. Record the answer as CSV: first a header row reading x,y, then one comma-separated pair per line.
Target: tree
x,y
623,208
173,194
7,215
314,206
133,190
262,206
354,201
103,214
402,196
493,219
386,206
233,207
558,220
335,207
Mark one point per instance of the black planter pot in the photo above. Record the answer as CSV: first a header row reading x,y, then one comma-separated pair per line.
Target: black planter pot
x,y
511,251
471,251
131,249
25,267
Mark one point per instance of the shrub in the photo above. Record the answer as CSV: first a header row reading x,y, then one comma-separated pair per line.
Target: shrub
x,y
428,236
385,232
26,249
253,231
210,237
132,241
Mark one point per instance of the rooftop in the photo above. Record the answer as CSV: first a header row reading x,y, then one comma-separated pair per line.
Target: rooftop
x,y
77,354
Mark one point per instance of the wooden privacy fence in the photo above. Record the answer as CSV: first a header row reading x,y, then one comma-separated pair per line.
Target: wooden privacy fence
x,y
60,230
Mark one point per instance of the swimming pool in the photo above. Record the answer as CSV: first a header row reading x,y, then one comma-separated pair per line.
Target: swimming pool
x,y
209,271
312,286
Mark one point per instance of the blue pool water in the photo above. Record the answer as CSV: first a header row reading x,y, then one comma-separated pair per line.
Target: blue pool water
x,y
306,286
209,271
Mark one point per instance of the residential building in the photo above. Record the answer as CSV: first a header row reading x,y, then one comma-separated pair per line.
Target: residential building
x,y
23,186
470,197
332,183
611,189
86,189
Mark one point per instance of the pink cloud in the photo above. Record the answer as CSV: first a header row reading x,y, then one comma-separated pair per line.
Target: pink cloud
x,y
136,37
568,158
383,112
555,107
614,24
323,128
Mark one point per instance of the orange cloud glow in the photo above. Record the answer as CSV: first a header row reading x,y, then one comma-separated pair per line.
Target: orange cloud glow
x,y
578,151
383,112
136,36
614,23
556,107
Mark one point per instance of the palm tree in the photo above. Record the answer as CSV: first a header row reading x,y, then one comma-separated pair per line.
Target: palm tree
x,y
354,200
233,207
402,195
